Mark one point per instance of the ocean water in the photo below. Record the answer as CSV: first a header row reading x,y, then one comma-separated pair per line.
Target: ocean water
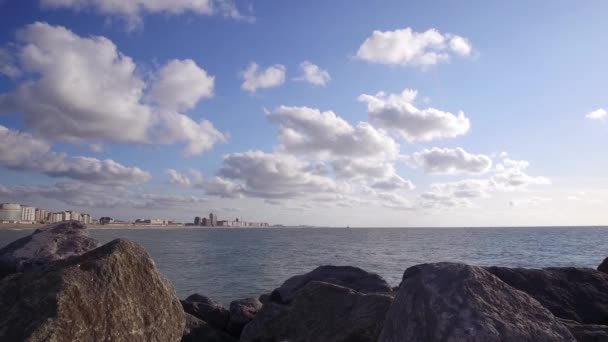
x,y
228,264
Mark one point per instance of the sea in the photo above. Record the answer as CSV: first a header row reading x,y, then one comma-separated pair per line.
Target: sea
x,y
228,264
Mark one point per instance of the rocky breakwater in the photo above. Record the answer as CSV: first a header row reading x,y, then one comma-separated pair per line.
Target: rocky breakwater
x,y
59,285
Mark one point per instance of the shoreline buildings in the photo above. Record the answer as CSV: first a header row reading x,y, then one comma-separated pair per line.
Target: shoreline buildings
x,y
24,214
236,223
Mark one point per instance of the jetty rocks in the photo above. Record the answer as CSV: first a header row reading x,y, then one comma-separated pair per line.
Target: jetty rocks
x,y
59,285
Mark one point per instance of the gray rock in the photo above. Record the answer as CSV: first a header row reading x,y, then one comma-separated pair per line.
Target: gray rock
x,y
53,242
603,267
578,294
456,302
346,276
113,293
208,310
321,312
587,332
197,330
242,311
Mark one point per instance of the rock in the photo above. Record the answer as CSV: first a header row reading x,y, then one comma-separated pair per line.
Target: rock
x,y
208,310
346,276
112,293
578,294
587,332
197,330
603,267
53,242
456,302
321,312
264,298
242,311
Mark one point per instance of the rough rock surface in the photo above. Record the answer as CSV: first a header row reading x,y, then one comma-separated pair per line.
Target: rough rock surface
x,y
208,310
113,293
587,332
456,302
242,311
603,267
346,276
197,330
321,312
579,294
53,242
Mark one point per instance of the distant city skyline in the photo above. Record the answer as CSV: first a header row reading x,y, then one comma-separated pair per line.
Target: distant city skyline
x,y
327,113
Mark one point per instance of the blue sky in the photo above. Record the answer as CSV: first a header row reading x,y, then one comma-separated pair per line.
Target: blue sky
x,y
526,80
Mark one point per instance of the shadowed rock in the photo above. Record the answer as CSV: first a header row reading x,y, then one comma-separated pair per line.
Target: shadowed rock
x,y
321,312
197,330
208,310
242,311
113,293
603,267
53,242
346,276
579,294
456,302
587,332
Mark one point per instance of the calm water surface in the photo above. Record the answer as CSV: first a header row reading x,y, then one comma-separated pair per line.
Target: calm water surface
x,y
227,264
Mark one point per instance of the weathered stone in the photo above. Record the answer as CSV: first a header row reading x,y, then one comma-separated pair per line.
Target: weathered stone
x,y
197,330
242,311
53,242
346,276
603,267
264,298
113,293
208,310
456,302
321,312
587,332
579,294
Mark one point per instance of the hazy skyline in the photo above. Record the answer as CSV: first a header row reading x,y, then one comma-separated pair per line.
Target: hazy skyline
x,y
324,113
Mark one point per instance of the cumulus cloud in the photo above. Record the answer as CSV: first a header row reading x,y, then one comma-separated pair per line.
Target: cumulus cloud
x,y
397,112
309,131
274,175
312,74
85,89
132,11
510,175
450,161
599,114
529,202
254,79
21,151
408,47
8,65
181,84
216,186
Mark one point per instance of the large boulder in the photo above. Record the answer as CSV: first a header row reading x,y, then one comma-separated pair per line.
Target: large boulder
x,y
587,332
321,312
346,276
196,330
603,267
113,293
579,294
208,310
53,242
242,311
457,302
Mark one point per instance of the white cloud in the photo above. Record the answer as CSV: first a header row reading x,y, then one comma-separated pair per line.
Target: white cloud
x,y
304,130
85,89
599,114
397,112
312,74
510,175
21,151
133,10
216,186
180,85
529,202
450,161
254,79
407,47
8,66
273,175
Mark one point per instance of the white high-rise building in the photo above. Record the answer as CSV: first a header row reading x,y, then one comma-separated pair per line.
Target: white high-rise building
x,y
41,215
56,217
66,215
74,215
85,218
28,214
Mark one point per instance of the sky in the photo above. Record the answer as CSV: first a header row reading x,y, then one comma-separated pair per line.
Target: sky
x,y
329,113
